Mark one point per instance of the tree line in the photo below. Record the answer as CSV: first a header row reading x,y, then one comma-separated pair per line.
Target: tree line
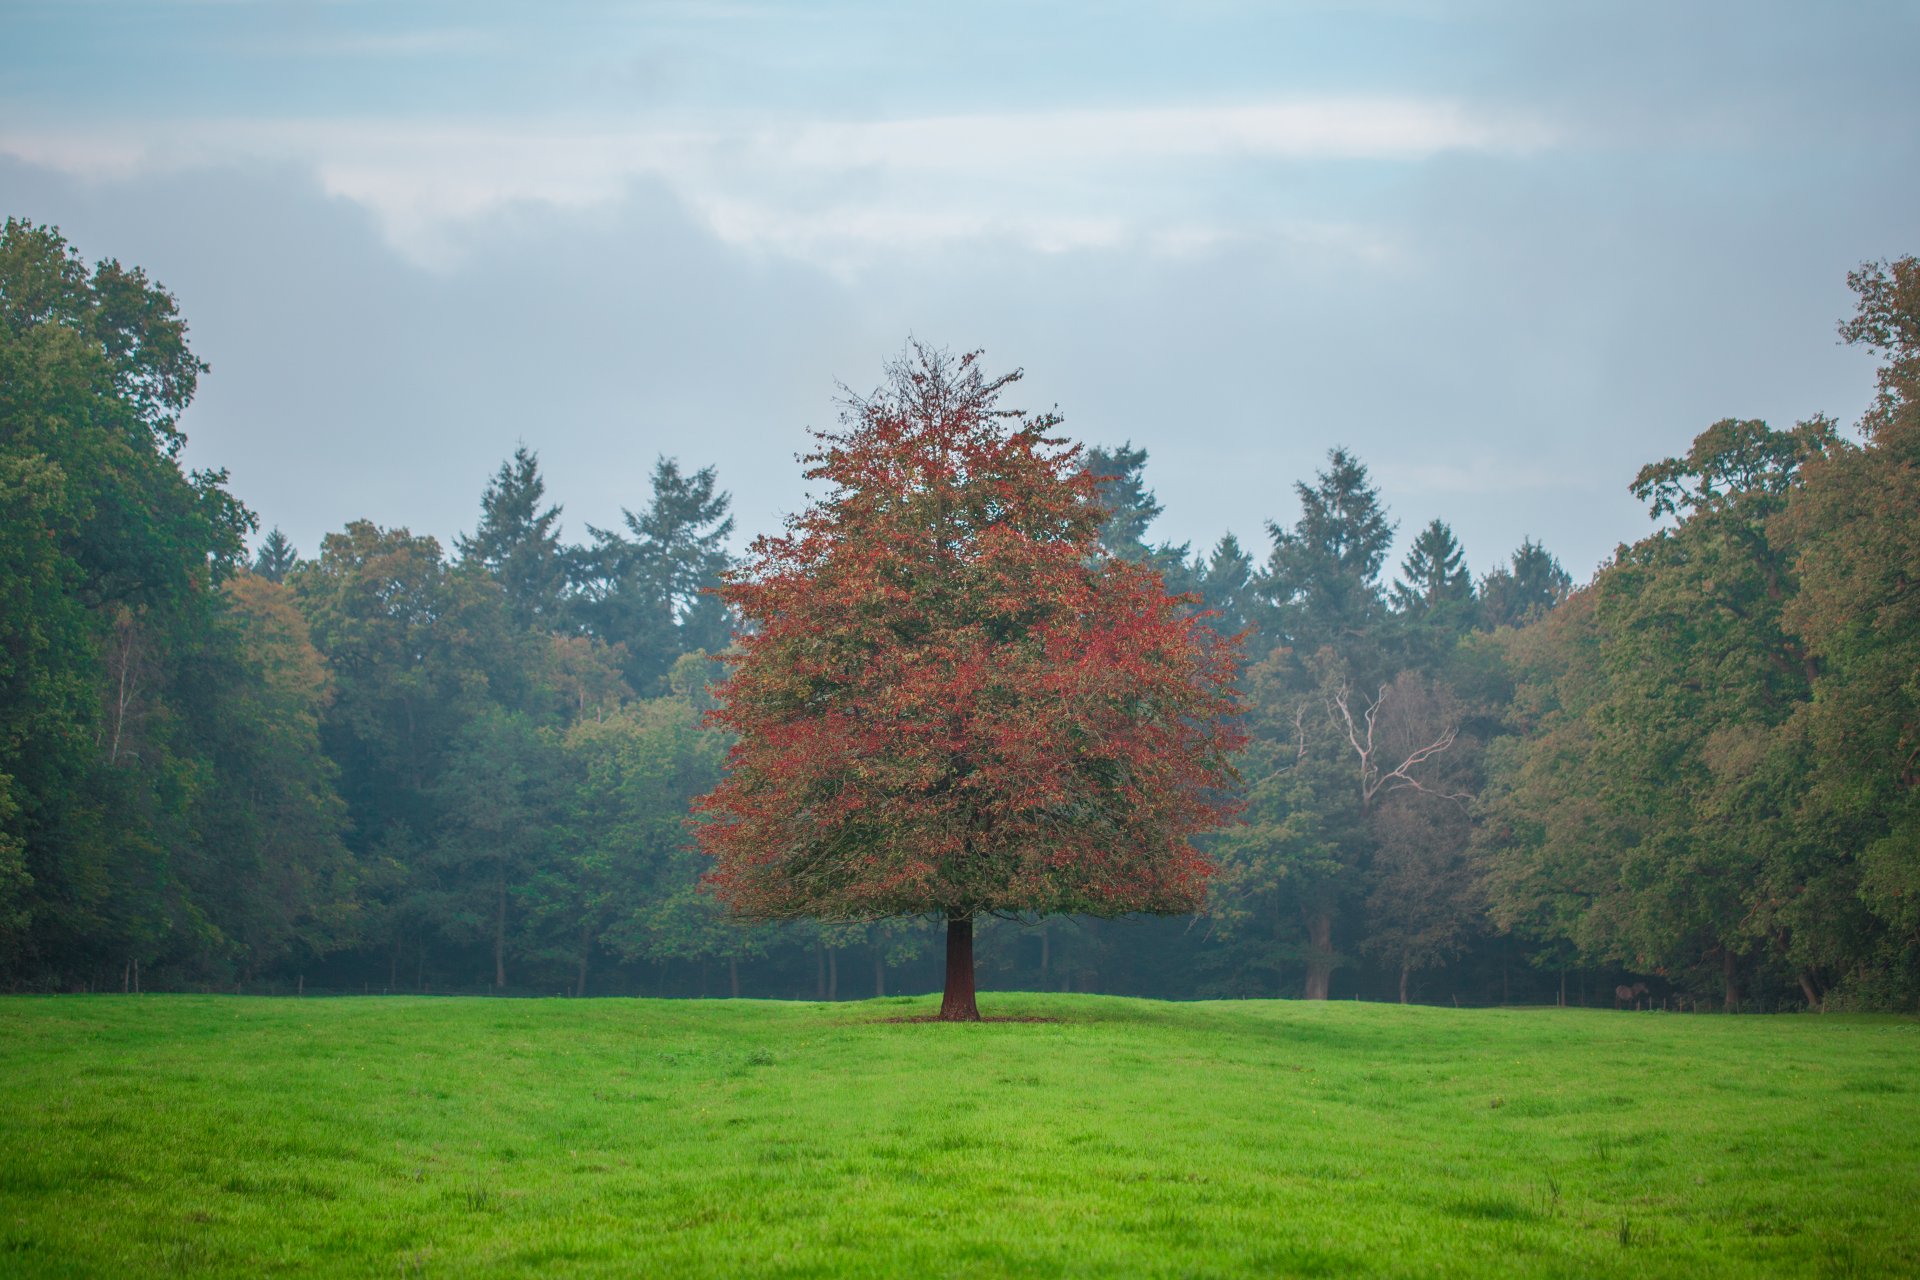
x,y
397,766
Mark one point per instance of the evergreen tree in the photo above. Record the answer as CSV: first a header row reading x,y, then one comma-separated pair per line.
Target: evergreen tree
x,y
1434,575
276,557
1130,509
1129,505
1523,590
518,543
1224,583
1322,582
647,588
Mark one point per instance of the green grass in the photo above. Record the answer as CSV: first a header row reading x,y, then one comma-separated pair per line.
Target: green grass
x,y
437,1137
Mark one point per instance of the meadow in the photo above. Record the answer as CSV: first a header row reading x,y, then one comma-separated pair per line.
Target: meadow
x,y
215,1136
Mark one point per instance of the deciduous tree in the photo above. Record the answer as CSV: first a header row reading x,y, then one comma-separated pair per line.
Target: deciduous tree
x,y
948,701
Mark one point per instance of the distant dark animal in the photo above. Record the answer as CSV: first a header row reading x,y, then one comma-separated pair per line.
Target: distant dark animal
x,y
1629,995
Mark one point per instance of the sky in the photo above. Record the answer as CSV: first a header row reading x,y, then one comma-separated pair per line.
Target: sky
x,y
1506,253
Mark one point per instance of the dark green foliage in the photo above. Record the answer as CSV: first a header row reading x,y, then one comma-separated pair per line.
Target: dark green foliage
x,y
1433,577
1131,510
1524,589
162,797
501,801
1322,582
647,589
1131,506
380,769
276,557
1224,582
518,543
1716,780
275,879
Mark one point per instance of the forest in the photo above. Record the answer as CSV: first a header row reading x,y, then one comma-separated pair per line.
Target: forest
x,y
383,764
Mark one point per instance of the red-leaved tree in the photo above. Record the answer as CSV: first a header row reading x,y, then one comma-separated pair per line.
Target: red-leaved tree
x,y
948,701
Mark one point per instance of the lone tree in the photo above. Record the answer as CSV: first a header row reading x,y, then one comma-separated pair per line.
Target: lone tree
x,y
948,700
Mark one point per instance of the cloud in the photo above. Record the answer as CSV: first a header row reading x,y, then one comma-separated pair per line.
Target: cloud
x,y
834,192
1480,477
419,43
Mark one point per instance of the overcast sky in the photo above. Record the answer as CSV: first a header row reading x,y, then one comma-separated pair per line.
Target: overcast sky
x,y
1507,253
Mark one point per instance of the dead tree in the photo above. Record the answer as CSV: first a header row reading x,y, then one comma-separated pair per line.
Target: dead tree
x,y
1374,777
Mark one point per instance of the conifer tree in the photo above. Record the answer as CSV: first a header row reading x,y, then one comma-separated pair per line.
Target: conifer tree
x,y
1434,575
648,588
276,557
1322,581
517,542
1519,592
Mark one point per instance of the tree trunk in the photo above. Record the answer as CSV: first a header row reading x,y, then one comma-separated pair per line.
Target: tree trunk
x,y
500,935
833,974
879,973
1731,978
1404,971
586,949
733,976
958,1004
819,972
1044,956
1810,989
1319,953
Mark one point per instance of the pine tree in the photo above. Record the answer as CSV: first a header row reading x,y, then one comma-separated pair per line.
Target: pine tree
x,y
518,543
1520,592
1322,581
1434,574
1224,583
649,587
276,557
1130,506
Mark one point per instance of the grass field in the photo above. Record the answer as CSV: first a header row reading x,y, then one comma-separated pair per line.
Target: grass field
x,y
441,1137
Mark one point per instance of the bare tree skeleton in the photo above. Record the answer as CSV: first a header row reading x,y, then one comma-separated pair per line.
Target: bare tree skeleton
x,y
1360,737
125,667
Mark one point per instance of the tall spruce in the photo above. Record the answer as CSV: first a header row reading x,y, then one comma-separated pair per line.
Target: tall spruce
x,y
1434,575
1322,581
1524,589
276,557
518,543
649,588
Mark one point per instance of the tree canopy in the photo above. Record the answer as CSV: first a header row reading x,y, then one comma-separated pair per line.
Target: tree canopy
x,y
947,700
969,686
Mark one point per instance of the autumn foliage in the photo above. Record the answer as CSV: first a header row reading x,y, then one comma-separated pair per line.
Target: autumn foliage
x,y
947,699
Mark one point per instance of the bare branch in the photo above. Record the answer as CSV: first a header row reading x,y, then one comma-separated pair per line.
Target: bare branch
x,y
1372,780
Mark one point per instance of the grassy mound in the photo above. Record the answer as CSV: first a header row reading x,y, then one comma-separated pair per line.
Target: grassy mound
x,y
217,1136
